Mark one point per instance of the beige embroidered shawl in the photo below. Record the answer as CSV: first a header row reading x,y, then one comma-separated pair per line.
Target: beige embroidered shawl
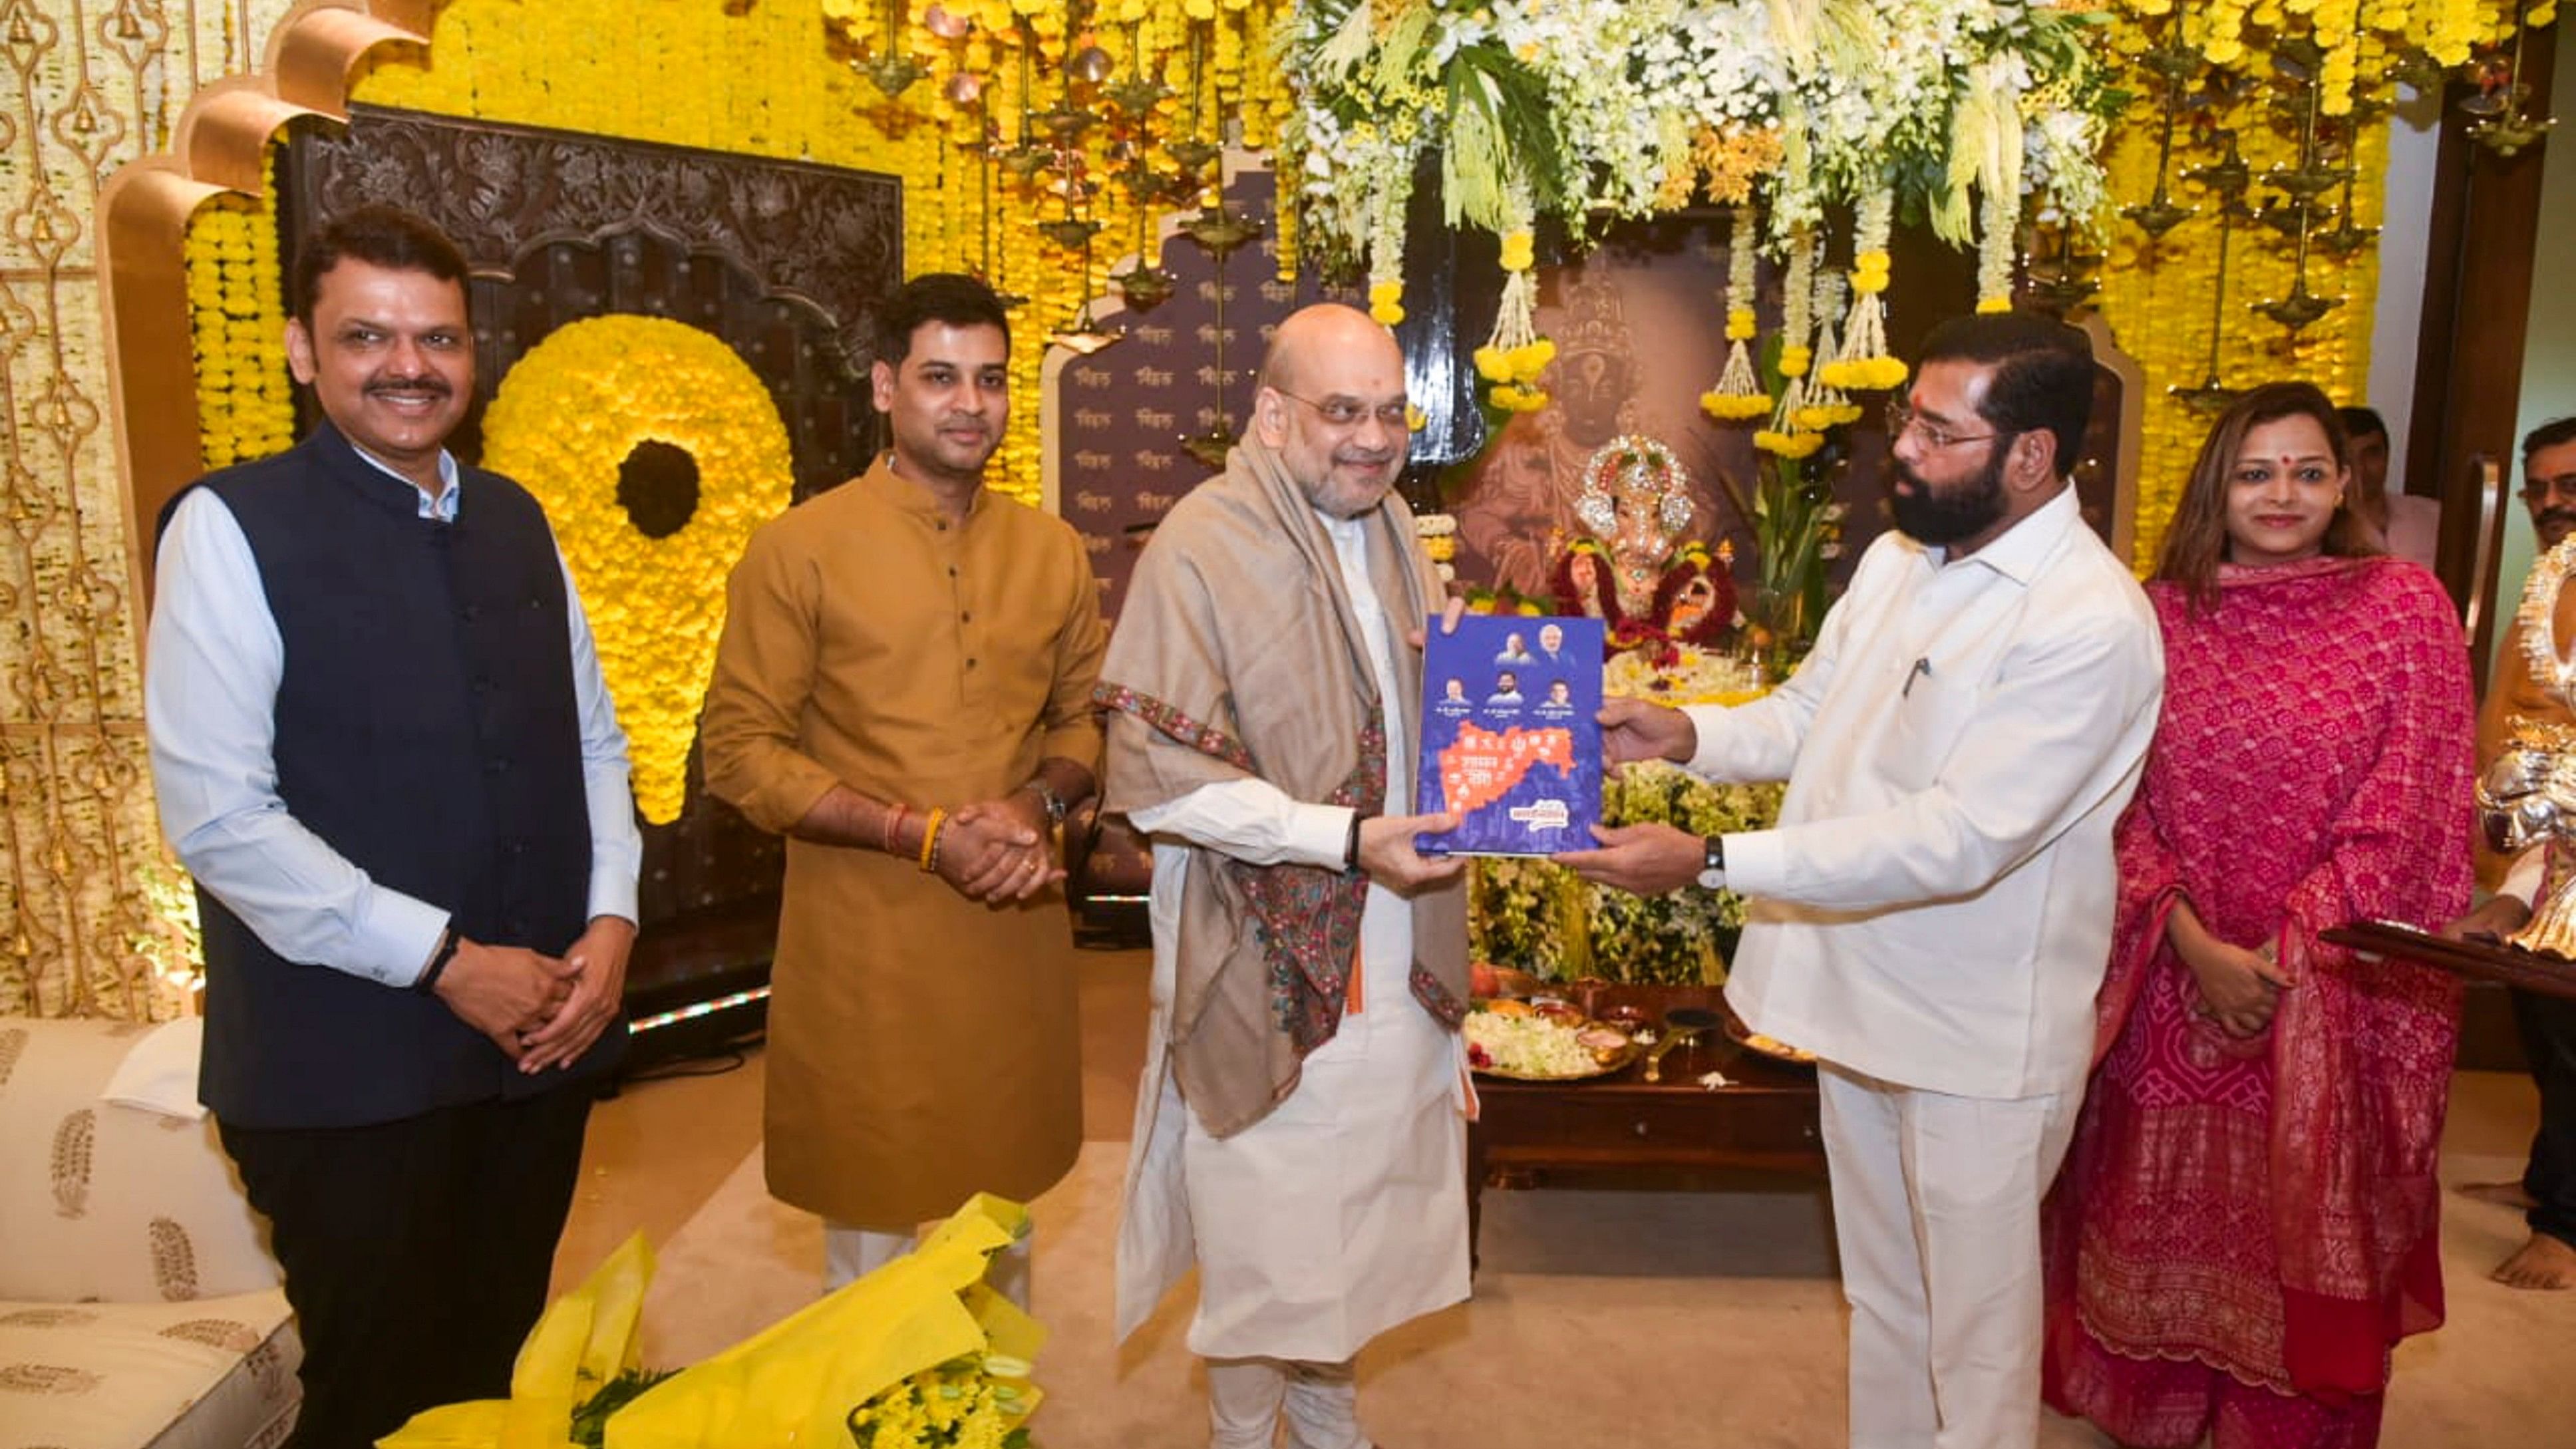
x,y
1237,655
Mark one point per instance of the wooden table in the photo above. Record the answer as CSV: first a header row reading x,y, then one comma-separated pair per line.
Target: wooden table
x,y
2476,960
1765,1117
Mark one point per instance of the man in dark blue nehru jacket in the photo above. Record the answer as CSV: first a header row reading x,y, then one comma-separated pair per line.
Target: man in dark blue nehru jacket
x,y
383,747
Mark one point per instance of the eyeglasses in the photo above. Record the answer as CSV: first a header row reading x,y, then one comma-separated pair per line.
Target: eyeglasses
x,y
1903,419
1342,412
2562,486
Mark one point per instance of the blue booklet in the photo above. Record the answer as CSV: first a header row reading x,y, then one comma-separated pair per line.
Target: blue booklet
x,y
1511,734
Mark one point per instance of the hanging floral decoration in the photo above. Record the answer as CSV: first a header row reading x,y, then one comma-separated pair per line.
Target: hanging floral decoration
x,y
1862,363
1787,436
1517,357
1581,109
1739,395
2248,173
563,424
1986,118
1002,117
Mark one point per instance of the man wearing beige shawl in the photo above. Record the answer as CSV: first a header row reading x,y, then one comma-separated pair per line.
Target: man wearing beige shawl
x,y
1299,1133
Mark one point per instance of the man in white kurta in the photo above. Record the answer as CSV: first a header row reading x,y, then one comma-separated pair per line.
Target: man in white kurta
x,y
1312,1171
1932,914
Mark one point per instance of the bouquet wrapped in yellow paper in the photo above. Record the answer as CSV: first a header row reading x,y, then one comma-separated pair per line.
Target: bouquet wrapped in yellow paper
x,y
917,1353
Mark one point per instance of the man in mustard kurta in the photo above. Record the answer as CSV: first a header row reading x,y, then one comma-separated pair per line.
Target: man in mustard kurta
x,y
903,691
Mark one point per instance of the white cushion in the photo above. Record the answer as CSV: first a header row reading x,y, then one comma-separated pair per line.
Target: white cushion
x,y
218,1373
160,1073
105,1201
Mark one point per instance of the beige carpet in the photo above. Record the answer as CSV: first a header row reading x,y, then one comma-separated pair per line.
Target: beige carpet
x,y
1600,1317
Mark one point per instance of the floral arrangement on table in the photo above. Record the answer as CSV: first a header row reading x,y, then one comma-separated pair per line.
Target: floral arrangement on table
x,y
1797,528
919,1354
1968,112
1534,916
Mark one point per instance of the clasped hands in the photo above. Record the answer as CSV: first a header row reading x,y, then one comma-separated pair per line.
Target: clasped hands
x,y
998,851
1645,859
2237,988
542,1011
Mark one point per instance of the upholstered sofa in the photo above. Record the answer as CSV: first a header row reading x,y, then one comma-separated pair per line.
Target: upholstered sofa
x,y
137,1303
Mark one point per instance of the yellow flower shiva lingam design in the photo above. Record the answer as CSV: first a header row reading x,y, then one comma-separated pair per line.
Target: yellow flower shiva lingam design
x,y
2528,796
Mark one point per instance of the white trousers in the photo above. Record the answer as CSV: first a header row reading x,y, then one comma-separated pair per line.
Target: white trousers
x,y
1249,1397
1936,1211
850,1254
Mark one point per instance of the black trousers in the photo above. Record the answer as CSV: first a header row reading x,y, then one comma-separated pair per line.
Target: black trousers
x,y
416,1252
2548,1026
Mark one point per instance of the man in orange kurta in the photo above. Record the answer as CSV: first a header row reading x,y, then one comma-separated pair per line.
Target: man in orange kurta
x,y
902,690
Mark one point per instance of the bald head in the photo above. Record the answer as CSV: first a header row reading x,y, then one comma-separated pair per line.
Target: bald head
x,y
1326,328
1332,406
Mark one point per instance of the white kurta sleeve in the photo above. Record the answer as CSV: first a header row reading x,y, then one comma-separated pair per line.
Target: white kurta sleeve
x,y
2060,733
1253,821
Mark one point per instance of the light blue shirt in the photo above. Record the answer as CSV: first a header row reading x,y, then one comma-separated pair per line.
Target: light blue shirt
x,y
211,673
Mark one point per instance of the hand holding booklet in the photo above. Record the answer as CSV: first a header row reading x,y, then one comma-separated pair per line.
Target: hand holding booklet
x,y
1511,734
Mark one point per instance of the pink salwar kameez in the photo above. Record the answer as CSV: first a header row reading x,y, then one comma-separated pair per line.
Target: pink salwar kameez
x,y
2244,1229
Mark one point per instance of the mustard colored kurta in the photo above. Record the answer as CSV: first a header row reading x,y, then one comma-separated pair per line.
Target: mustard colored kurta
x,y
922,1047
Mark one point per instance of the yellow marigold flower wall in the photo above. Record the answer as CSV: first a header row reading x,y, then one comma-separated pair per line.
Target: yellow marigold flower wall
x,y
771,81
564,421
2162,301
237,326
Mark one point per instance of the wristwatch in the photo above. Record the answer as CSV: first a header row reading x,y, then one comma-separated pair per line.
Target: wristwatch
x,y
1712,867
1047,798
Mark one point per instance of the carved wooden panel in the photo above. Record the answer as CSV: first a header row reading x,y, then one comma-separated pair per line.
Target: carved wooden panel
x,y
831,238
786,262
1121,413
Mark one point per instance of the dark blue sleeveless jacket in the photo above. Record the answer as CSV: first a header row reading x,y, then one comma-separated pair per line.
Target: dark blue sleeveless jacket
x,y
428,730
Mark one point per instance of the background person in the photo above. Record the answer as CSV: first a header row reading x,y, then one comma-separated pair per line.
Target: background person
x,y
2400,523
2547,1191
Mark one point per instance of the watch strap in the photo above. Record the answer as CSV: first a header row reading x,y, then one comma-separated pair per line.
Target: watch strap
x,y
1052,802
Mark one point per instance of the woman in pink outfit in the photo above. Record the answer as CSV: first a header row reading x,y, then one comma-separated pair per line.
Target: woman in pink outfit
x,y
2246,1223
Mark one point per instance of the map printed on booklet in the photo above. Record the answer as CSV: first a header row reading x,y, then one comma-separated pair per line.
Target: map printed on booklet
x,y
1511,734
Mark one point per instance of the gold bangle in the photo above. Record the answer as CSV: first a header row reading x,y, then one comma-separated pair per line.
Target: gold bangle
x,y
930,837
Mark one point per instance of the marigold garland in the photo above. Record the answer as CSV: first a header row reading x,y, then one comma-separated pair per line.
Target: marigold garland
x,y
2158,295
562,424
585,65
237,325
778,79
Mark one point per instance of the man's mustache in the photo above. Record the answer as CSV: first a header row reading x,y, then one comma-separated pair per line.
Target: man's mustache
x,y
432,384
2562,517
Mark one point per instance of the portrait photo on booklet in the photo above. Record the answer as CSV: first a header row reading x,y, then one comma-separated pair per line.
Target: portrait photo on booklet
x,y
1511,734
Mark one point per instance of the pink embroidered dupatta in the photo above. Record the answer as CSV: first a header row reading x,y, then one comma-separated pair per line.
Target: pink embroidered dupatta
x,y
2313,767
